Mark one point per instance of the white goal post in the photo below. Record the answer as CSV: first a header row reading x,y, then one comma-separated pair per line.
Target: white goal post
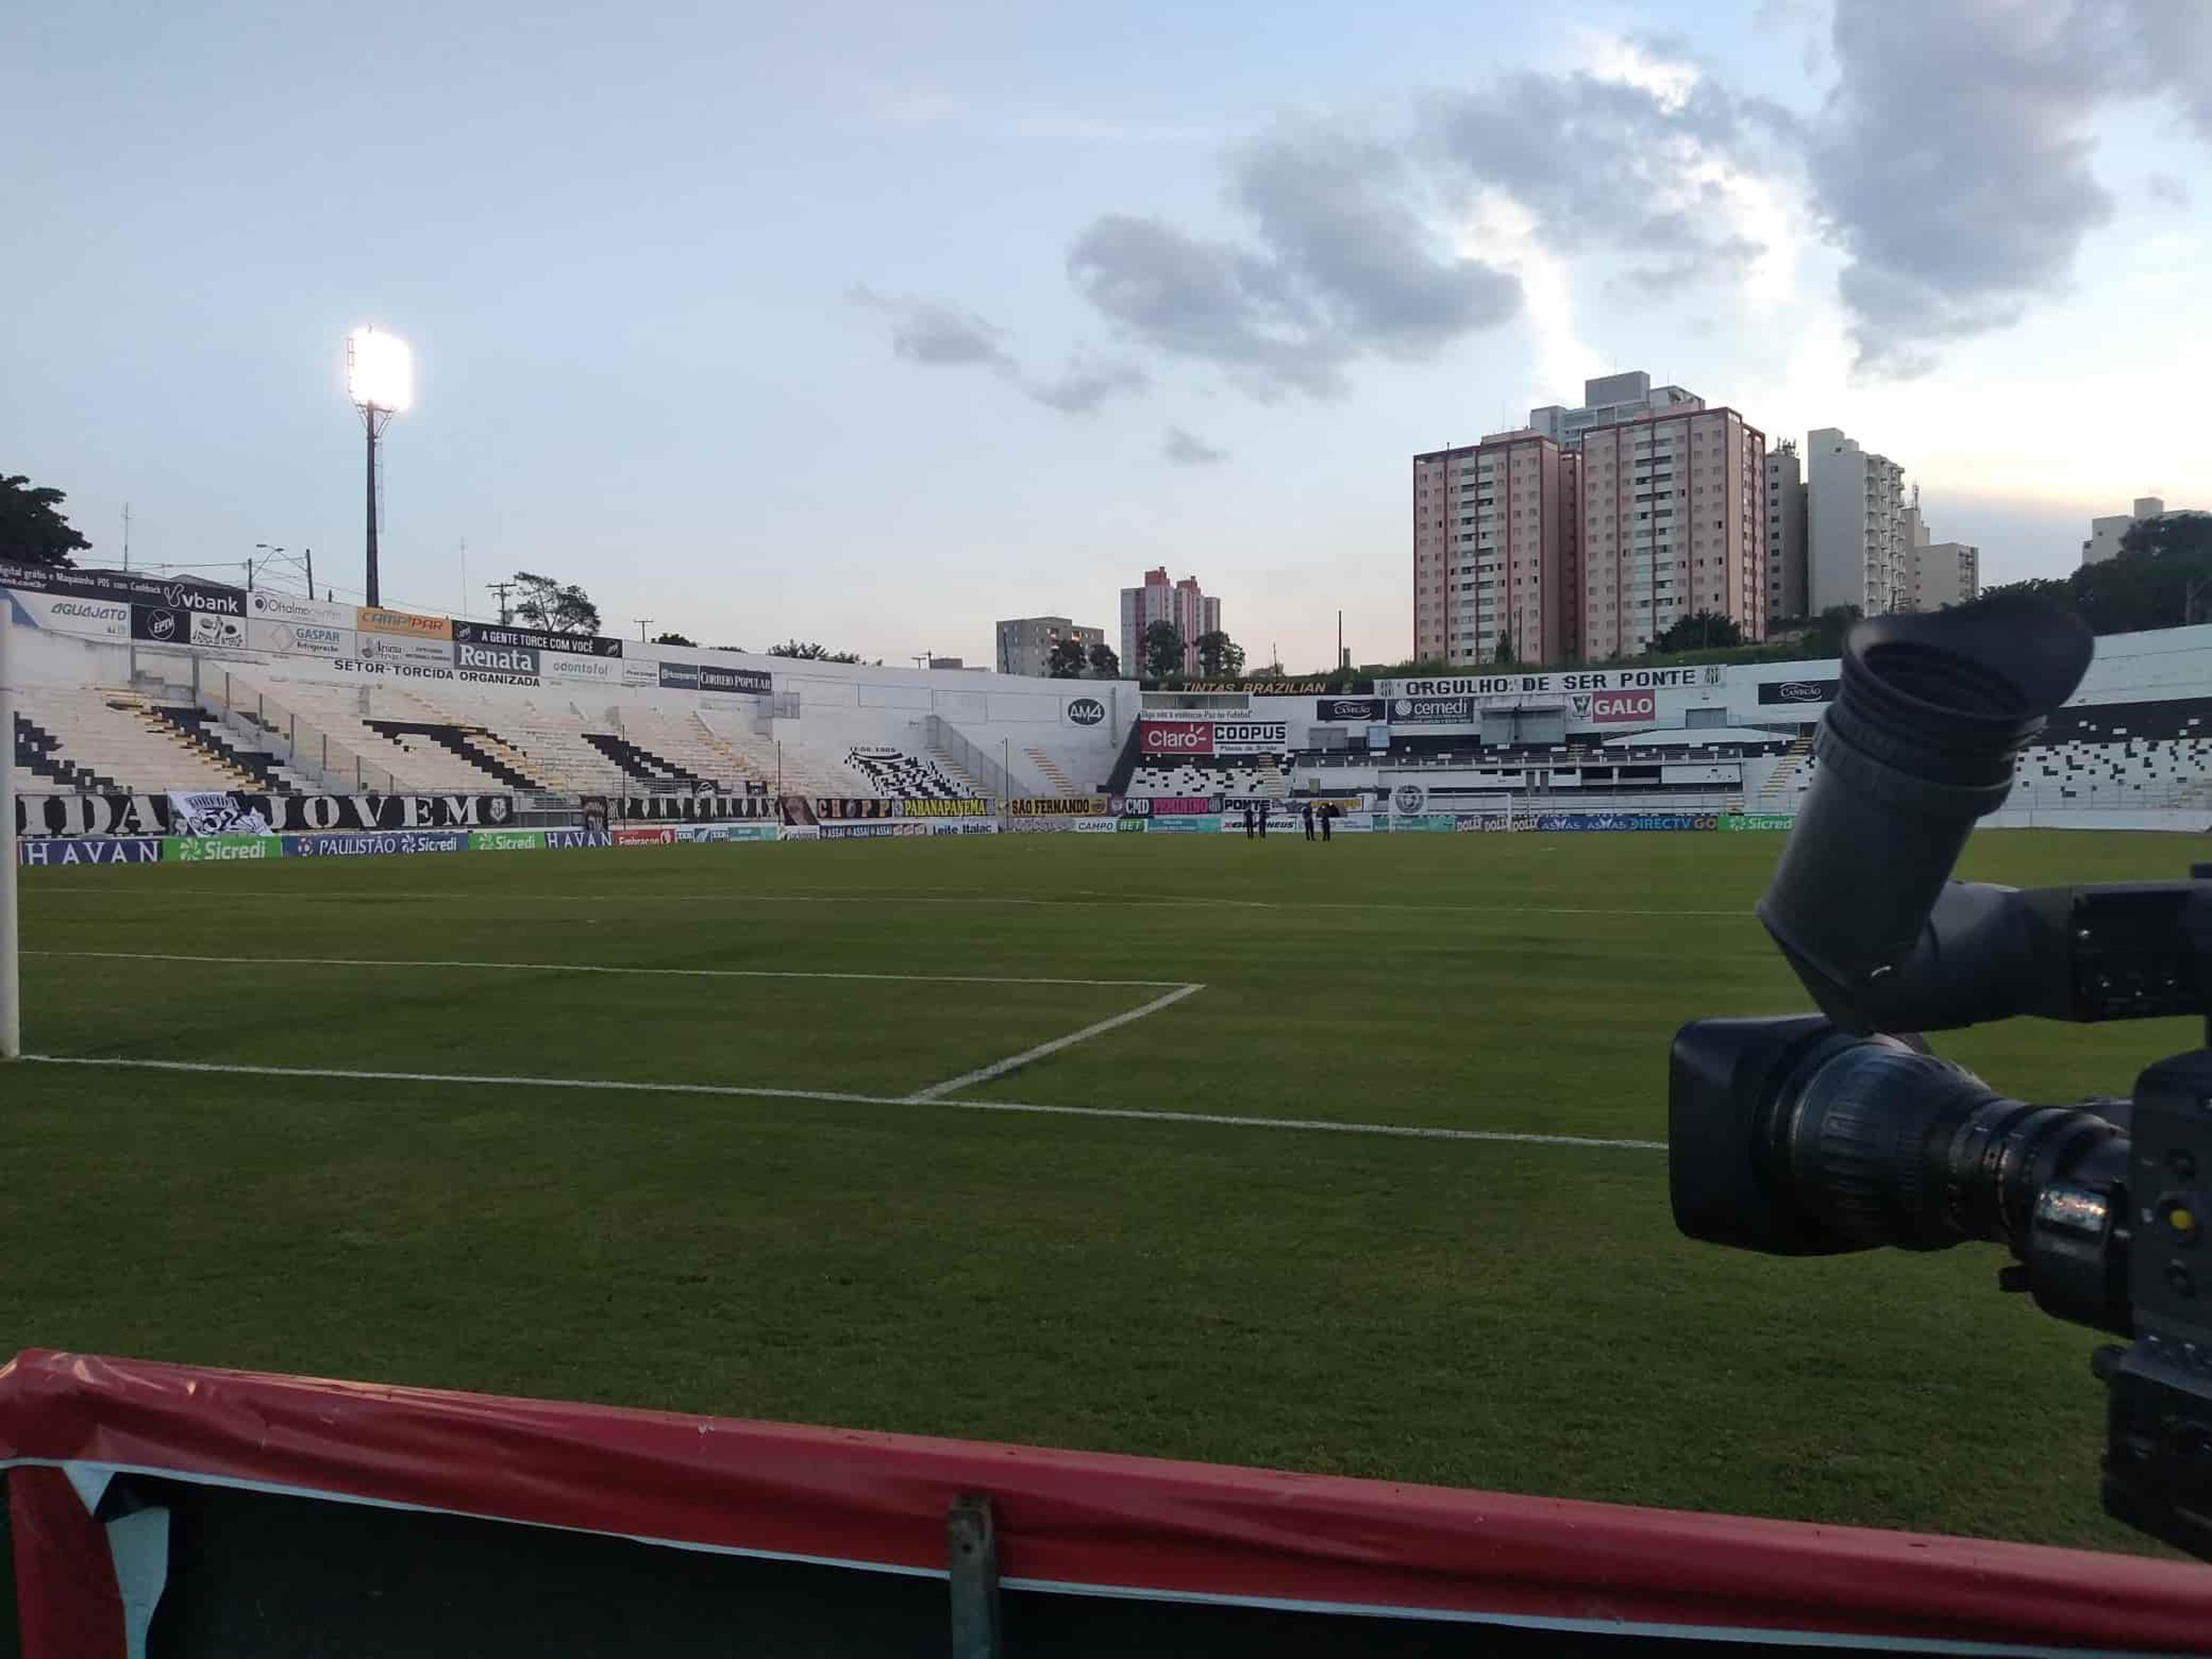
x,y
11,1007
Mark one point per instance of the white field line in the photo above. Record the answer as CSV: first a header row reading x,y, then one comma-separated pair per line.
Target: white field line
x,y
593,968
1015,1062
1073,901
1322,1126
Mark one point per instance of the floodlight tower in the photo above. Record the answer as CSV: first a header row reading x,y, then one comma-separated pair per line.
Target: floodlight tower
x,y
381,379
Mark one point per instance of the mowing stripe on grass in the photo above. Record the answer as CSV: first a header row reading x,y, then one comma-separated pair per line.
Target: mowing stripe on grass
x,y
1015,1062
1404,1131
594,968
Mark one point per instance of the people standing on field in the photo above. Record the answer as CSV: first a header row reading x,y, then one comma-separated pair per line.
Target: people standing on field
x,y
1248,820
1309,816
1327,812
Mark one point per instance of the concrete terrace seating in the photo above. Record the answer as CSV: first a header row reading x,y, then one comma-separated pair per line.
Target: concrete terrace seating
x,y
121,739
1257,778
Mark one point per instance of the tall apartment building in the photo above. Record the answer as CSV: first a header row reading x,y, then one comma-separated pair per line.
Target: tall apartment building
x,y
1494,545
1945,573
2106,534
1025,644
1673,522
1610,400
1159,600
1857,550
1785,531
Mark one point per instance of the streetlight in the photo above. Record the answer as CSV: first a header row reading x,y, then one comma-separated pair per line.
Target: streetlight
x,y
381,379
270,549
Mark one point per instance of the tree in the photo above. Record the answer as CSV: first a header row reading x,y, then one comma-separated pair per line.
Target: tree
x,y
1162,647
1219,657
1105,662
32,528
674,639
1704,631
1504,658
1064,660
2170,535
807,650
556,607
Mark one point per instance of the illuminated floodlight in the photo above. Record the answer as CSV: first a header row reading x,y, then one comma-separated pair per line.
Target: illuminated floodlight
x,y
380,370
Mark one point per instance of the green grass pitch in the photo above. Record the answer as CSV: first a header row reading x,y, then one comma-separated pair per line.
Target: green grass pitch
x,y
1506,1313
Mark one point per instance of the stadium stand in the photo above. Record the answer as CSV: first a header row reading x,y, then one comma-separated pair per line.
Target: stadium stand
x,y
1253,778
2151,754
104,738
900,777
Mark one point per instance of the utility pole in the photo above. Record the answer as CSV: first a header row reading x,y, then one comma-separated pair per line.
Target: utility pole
x,y
643,622
127,535
502,589
464,576
310,552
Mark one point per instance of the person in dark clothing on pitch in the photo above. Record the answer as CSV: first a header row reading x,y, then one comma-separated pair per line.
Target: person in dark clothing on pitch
x,y
1308,816
1328,813
1263,820
1248,824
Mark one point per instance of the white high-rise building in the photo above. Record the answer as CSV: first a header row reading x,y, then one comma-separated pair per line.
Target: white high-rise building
x,y
2106,533
1610,400
1857,546
1785,531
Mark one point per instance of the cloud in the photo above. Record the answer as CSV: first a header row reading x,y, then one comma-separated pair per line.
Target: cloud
x,y
2175,39
2167,191
1184,450
930,332
940,335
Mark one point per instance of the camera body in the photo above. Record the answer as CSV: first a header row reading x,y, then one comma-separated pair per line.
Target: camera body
x,y
1815,1134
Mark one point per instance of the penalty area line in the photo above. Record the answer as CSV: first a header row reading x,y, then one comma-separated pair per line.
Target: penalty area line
x,y
626,1085
1015,1062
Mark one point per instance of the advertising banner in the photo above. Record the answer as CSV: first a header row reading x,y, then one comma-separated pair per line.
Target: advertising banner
x,y
498,636
943,809
1432,711
1498,824
1083,711
725,832
1757,820
896,828
1041,826
568,840
124,850
714,677
566,668
370,845
1061,806
1615,708
295,639
1131,826
1798,691
964,826
507,841
502,664
1354,710
403,624
263,605
91,619
1592,822
1098,826
800,832
1209,824
630,836
215,812
1250,736
212,630
221,849
126,587
1175,738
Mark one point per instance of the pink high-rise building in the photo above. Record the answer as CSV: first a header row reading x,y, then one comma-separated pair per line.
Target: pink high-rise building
x,y
1159,600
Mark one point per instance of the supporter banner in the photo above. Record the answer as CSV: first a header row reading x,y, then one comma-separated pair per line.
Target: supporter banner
x,y
1250,736
295,639
119,849
1526,685
217,812
1061,806
1774,691
218,630
829,807
1616,821
507,841
963,827
627,836
126,587
1261,687
1349,709
1432,711
1186,805
698,809
265,606
871,831
593,809
943,809
1132,826
92,619
331,812
714,677
1613,708
1180,737
565,840
91,815
364,846
1757,820
499,636
221,849
1083,711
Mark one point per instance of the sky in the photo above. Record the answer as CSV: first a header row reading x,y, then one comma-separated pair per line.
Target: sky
x,y
871,324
